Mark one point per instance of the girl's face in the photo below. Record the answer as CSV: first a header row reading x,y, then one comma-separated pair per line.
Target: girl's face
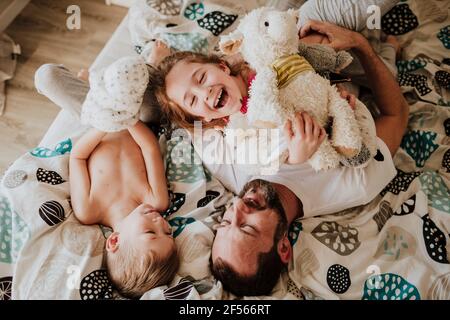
x,y
205,90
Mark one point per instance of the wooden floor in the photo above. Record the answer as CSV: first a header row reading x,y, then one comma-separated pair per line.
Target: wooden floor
x,y
42,34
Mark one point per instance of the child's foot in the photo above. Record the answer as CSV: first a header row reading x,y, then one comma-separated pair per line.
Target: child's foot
x,y
83,74
159,52
392,40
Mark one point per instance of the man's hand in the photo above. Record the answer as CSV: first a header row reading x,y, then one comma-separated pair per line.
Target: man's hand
x,y
304,137
339,38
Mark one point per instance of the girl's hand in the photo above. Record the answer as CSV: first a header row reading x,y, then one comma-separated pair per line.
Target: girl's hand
x,y
351,99
304,137
159,52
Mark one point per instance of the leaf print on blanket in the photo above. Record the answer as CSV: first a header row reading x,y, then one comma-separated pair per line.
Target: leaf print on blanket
x,y
166,7
406,207
341,239
5,288
397,244
419,145
52,212
446,125
180,291
389,286
216,22
399,20
179,223
14,179
444,36
194,11
435,241
210,196
383,214
338,278
48,176
194,42
400,182
183,163
176,202
294,231
436,190
440,289
294,290
418,81
96,286
61,148
14,232
411,65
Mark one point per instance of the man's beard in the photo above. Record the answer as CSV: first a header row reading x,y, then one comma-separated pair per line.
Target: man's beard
x,y
271,199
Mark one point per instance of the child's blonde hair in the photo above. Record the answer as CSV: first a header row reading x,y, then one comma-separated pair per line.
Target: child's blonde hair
x,y
173,111
133,273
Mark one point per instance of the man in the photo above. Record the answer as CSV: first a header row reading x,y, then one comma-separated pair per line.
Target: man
x,y
251,247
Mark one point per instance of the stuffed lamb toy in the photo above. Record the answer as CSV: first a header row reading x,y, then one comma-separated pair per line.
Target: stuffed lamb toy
x,y
286,83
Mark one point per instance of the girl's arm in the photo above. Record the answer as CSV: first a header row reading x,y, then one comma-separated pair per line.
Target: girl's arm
x,y
154,165
80,182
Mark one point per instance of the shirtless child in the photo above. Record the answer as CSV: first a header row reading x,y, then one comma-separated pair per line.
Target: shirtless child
x,y
118,180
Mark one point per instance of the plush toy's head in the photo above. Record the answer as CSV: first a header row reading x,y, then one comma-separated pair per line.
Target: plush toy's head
x,y
262,36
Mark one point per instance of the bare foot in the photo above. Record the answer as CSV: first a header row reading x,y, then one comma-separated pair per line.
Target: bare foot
x,y
392,40
159,52
83,74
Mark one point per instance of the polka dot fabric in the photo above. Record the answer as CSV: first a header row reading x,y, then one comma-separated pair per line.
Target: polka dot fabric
x,y
216,22
419,82
419,145
399,20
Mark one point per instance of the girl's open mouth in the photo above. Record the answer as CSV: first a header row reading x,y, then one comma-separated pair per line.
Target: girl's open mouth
x,y
222,99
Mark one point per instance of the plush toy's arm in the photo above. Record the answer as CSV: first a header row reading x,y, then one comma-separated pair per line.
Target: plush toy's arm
x,y
323,57
264,109
346,132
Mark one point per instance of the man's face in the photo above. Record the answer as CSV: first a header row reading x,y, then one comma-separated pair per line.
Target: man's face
x,y
248,227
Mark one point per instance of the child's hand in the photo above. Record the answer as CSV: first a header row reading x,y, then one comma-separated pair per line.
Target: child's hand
x,y
304,137
159,52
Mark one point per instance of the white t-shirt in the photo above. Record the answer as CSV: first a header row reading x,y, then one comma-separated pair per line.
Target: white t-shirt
x,y
321,192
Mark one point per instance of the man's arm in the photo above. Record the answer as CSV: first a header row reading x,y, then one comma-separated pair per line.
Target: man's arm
x,y
80,182
154,165
392,122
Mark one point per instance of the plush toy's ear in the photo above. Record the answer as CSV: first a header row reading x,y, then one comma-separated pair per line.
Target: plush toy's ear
x,y
231,43
294,13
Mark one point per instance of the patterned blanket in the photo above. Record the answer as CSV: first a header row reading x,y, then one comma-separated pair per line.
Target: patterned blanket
x,y
395,247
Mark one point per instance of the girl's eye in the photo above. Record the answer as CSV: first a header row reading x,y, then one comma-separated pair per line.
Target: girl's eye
x,y
202,79
225,222
192,101
151,232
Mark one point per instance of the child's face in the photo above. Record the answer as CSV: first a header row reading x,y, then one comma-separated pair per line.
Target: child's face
x,y
204,90
146,229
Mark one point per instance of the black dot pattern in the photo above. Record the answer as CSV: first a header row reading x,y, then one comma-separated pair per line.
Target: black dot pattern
x,y
216,22
138,49
210,195
379,156
418,81
50,177
5,288
383,214
446,161
400,182
434,241
176,202
52,212
443,78
447,127
338,278
362,157
399,20
96,286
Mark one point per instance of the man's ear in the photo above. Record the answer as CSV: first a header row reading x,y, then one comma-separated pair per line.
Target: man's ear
x,y
285,249
112,243
231,43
